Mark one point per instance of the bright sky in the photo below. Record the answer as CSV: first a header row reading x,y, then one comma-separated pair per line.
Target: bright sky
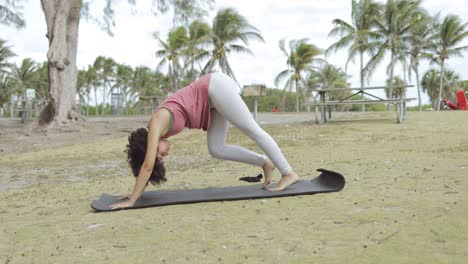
x,y
134,45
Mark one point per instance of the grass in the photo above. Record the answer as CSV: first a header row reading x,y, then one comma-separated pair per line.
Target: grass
x,y
405,200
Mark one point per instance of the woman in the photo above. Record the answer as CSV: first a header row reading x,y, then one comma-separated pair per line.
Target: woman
x,y
208,103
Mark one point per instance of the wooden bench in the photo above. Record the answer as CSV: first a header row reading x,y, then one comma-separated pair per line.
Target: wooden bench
x,y
353,102
399,102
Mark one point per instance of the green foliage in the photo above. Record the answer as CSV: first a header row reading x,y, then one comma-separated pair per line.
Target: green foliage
x,y
5,54
397,91
464,85
10,13
431,84
228,29
393,31
425,107
450,34
358,36
300,57
183,11
273,98
6,88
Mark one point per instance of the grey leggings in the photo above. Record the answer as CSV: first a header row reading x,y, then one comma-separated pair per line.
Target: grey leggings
x,y
228,106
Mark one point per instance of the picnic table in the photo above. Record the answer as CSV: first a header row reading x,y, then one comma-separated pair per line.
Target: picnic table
x,y
400,101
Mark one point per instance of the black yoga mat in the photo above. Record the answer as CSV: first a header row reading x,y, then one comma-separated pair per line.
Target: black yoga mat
x,y
327,181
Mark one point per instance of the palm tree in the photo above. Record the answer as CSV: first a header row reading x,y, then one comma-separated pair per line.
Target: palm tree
x,y
123,82
358,35
82,90
421,39
300,58
394,30
171,53
105,68
229,27
450,33
87,80
198,36
23,77
431,85
5,54
6,91
10,14
41,82
329,77
145,83
397,92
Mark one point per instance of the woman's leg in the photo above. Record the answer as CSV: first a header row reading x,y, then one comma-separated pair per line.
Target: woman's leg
x,y
217,147
225,98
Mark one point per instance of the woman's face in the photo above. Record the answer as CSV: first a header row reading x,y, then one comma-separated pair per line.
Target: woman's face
x,y
163,149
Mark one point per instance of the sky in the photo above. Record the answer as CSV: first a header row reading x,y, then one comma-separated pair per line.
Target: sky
x,y
133,43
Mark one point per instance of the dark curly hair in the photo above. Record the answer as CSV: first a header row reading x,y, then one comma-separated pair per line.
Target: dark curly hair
x,y
136,151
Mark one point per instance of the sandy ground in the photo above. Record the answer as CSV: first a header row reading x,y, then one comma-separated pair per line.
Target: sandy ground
x,y
405,200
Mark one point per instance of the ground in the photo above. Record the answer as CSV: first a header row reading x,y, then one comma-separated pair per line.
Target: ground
x,y
405,199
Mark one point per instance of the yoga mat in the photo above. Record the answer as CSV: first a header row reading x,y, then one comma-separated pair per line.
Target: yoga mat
x,y
327,181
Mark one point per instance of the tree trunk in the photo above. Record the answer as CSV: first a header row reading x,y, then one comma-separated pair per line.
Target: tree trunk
x,y
87,103
171,78
62,18
439,99
419,88
362,79
297,97
391,79
104,98
11,107
95,101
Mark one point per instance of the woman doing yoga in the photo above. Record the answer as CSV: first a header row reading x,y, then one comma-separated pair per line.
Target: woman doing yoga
x,y
209,103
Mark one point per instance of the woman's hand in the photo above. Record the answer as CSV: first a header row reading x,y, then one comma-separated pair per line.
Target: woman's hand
x,y
125,204
128,196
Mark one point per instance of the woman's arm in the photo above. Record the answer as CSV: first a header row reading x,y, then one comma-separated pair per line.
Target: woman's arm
x,y
158,127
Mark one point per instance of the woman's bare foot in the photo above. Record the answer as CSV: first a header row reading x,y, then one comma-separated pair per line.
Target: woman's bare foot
x,y
285,181
268,169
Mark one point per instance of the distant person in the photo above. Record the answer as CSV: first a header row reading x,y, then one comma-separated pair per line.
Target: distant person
x,y
208,103
275,109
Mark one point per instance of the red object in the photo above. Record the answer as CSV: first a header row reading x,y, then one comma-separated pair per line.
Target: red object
x,y
461,98
451,105
275,109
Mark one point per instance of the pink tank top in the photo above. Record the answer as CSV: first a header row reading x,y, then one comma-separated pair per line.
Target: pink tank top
x,y
190,106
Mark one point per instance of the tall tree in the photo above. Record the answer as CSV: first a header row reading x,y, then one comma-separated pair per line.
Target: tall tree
x,y
7,89
41,82
449,35
5,54
393,29
421,39
431,85
89,79
106,69
10,14
329,77
62,18
23,77
358,35
198,37
228,29
146,83
123,82
171,54
300,58
397,92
